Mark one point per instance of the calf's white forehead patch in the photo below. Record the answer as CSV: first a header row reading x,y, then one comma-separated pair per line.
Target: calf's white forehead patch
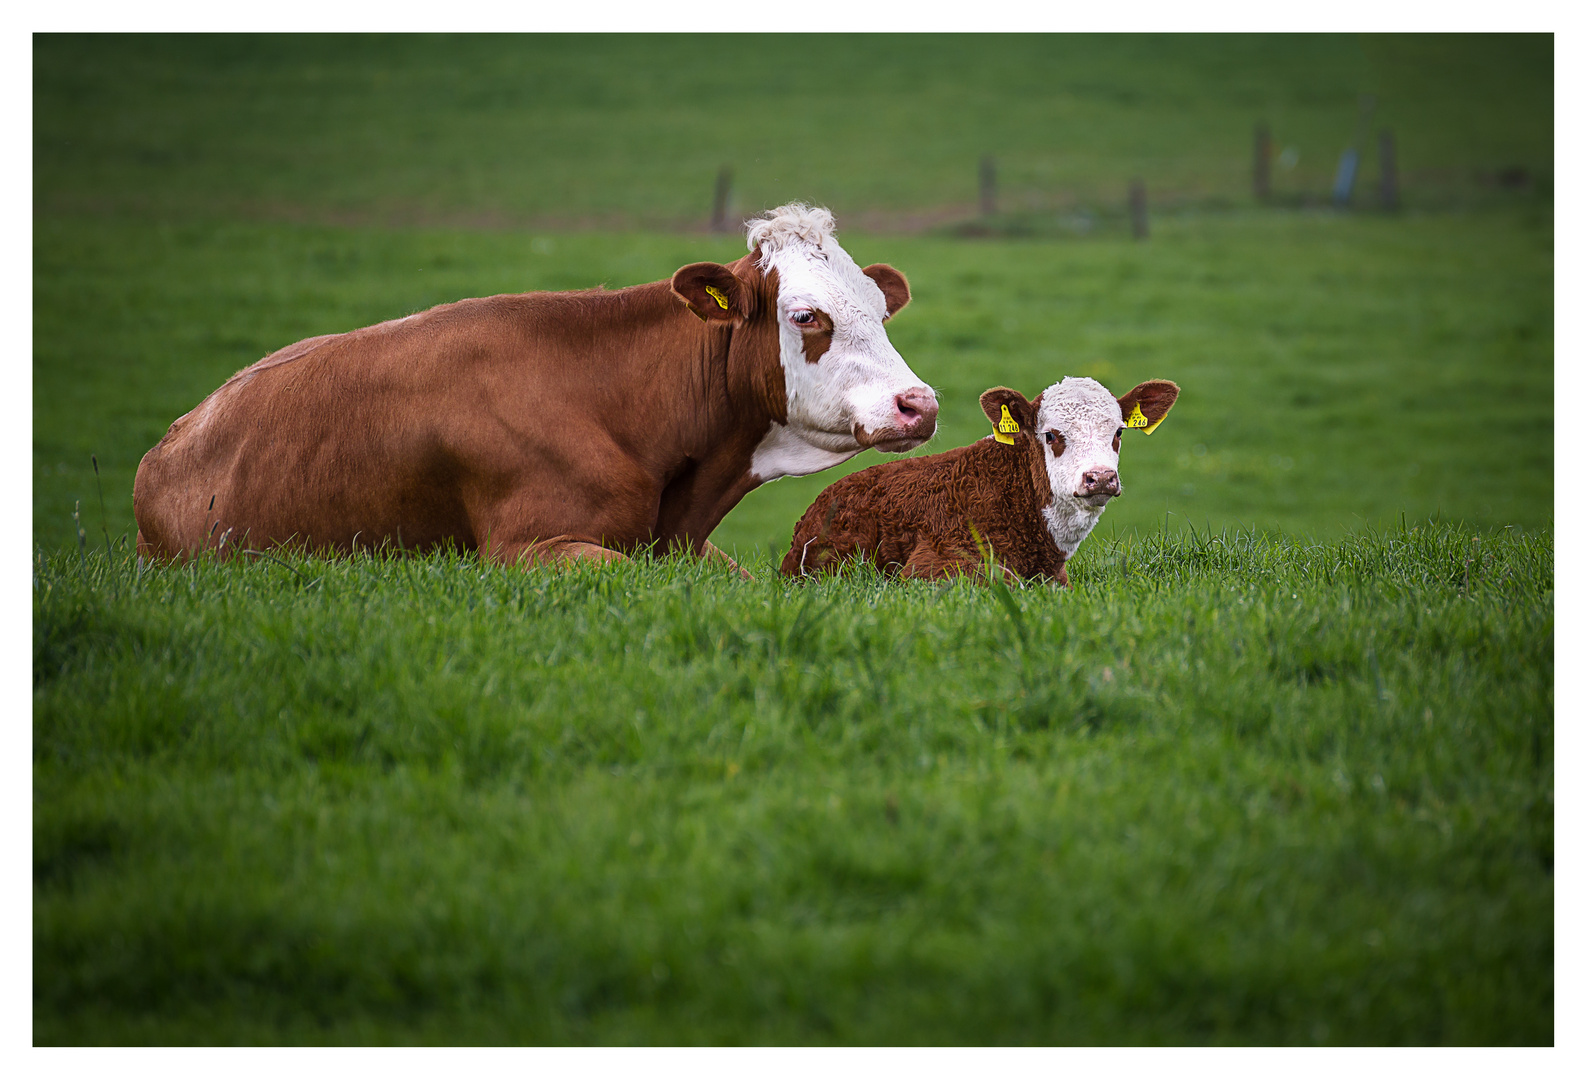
x,y
1087,415
1080,409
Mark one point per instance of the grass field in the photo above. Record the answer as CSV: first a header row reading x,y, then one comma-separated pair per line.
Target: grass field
x,y
1279,769
1230,789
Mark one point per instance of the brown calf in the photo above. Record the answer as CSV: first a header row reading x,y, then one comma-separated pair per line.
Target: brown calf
x,y
550,425
1027,495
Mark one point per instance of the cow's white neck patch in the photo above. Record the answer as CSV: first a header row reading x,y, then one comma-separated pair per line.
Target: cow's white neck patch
x,y
1087,416
783,453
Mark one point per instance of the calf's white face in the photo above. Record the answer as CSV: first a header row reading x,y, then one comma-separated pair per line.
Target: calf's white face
x,y
847,387
1078,425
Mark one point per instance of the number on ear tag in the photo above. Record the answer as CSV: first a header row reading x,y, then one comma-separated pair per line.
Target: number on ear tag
x,y
1137,419
716,294
1007,428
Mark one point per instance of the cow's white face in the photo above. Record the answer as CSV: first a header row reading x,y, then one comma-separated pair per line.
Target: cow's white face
x,y
847,387
1079,424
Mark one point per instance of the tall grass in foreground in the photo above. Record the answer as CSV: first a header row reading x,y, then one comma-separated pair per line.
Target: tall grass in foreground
x,y
1231,788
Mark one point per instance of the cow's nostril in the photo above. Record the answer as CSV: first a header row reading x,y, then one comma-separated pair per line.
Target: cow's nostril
x,y
917,408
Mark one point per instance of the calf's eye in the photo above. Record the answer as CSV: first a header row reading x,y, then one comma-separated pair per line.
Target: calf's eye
x,y
1049,436
803,318
1118,433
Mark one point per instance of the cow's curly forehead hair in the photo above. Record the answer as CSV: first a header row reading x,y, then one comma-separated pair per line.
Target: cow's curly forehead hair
x,y
789,225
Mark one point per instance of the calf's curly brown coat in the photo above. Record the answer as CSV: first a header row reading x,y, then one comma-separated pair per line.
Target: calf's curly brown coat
x,y
913,517
941,515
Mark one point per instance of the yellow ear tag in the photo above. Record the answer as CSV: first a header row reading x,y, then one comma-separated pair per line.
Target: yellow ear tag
x,y
716,294
1007,428
1137,419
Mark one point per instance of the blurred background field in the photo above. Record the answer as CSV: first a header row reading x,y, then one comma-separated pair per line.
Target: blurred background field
x,y
202,201
629,130
1279,769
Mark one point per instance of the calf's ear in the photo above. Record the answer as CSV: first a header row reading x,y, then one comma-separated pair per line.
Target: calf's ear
x,y
1022,412
711,290
893,285
1146,405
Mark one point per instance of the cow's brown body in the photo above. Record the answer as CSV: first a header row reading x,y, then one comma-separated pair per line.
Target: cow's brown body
x,y
913,518
534,424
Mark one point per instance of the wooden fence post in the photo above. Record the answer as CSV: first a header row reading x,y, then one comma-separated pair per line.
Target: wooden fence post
x,y
1262,164
988,186
1138,209
724,185
1388,171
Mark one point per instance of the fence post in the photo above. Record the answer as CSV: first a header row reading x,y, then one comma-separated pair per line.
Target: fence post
x,y
1262,164
724,185
1350,160
1138,209
1388,171
1345,177
988,186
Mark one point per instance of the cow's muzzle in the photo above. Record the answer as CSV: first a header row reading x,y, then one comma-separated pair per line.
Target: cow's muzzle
x,y
914,421
1097,486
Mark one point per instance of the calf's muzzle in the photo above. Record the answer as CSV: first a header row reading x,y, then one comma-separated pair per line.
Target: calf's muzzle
x,y
1097,486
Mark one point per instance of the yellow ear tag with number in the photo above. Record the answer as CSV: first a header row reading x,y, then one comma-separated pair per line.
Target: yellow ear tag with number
x,y
716,294
1007,428
1137,419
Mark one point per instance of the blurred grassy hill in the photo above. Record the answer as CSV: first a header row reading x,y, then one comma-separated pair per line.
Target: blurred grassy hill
x,y
200,201
630,130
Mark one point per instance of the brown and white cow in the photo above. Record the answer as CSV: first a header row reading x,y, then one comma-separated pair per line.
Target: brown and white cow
x,y
551,425
1028,494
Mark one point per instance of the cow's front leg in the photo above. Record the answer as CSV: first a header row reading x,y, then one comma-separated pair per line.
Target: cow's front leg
x,y
558,549
712,553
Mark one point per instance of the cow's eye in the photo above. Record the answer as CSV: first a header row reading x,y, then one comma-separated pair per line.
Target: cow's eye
x,y
1049,436
1119,434
803,318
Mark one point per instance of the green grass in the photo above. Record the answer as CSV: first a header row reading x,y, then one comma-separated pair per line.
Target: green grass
x,y
1229,789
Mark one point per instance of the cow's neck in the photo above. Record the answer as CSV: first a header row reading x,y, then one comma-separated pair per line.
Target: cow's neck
x,y
781,452
734,387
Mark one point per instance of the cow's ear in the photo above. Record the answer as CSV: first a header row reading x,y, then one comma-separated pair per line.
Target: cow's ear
x,y
893,285
1144,407
1000,398
711,291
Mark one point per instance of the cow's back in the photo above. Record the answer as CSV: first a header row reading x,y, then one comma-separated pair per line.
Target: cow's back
x,y
386,432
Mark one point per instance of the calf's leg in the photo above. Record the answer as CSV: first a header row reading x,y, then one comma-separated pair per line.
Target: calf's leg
x,y
926,562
